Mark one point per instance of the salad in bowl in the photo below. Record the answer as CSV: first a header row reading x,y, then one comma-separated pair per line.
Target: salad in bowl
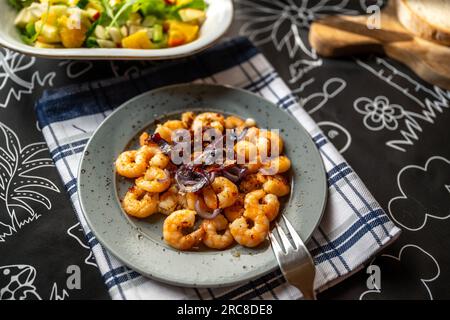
x,y
129,24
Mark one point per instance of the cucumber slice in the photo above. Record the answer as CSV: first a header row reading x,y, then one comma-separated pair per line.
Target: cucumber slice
x,y
157,35
30,30
149,21
162,43
91,42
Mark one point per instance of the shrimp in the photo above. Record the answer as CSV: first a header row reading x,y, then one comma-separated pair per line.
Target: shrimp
x,y
188,118
252,134
167,128
175,226
274,140
226,191
236,210
245,150
155,180
208,120
232,122
277,165
159,160
140,204
143,138
276,185
147,151
192,198
182,201
250,183
250,236
210,198
131,164
247,154
249,122
253,167
263,146
164,132
169,201
268,203
212,237
174,124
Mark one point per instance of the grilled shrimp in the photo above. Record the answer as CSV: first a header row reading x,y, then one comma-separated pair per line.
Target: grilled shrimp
x,y
143,138
227,192
232,122
247,154
236,210
217,233
175,227
208,120
276,185
188,118
131,164
155,180
159,160
277,165
210,198
267,203
250,183
169,201
140,204
247,235
246,151
164,132
174,124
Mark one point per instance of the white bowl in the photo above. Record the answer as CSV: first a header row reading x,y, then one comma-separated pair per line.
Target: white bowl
x,y
219,16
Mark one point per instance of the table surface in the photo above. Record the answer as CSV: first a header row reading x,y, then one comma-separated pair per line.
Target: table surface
x,y
390,126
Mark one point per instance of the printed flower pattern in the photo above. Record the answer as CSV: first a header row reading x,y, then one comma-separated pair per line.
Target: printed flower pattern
x,y
280,22
379,113
265,18
18,78
22,186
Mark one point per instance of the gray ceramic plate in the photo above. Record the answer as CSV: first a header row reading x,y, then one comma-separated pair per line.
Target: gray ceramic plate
x,y
138,243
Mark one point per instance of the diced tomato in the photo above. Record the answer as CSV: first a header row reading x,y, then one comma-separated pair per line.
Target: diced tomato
x,y
170,1
93,14
96,16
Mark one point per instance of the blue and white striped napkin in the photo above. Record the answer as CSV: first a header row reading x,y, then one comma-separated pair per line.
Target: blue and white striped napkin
x,y
354,226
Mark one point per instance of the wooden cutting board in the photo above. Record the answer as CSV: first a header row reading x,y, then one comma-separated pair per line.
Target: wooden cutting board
x,y
337,36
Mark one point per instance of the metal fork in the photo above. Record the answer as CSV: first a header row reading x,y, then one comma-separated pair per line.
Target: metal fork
x,y
295,261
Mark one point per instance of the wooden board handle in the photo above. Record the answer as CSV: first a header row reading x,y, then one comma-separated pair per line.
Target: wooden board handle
x,y
336,36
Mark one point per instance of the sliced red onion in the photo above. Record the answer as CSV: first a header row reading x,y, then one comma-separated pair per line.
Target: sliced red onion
x,y
191,180
212,176
162,143
234,173
206,214
233,178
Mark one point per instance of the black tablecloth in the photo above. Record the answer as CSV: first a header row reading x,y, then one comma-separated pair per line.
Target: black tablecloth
x,y
391,127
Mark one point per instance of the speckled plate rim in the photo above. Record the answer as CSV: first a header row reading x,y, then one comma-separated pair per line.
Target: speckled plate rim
x,y
186,282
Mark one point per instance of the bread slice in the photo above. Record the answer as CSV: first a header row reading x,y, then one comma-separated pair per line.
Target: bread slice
x,y
428,19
